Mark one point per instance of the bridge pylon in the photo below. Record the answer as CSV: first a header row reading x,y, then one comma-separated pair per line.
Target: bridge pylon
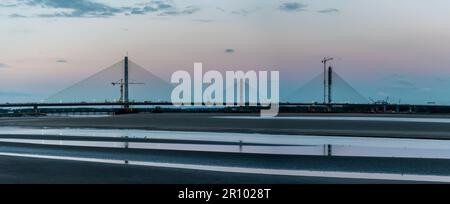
x,y
124,85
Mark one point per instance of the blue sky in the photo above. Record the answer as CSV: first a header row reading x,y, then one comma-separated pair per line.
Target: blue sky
x,y
383,48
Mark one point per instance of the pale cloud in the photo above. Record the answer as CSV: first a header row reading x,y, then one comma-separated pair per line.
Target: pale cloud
x,y
293,6
230,51
61,61
3,65
93,9
330,10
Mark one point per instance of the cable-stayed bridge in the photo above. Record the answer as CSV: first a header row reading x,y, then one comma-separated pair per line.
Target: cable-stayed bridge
x,y
134,83
126,83
113,85
337,91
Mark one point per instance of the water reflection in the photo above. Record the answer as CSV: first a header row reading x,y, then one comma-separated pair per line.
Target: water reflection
x,y
242,143
81,114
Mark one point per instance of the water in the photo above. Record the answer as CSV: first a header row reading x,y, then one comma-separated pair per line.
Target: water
x,y
260,143
81,115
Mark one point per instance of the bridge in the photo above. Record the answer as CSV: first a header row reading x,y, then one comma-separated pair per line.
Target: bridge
x,y
117,107
99,91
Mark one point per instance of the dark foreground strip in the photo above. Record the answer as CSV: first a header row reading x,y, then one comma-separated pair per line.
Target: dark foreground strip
x,y
277,193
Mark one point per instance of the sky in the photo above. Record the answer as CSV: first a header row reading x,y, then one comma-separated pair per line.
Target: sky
x,y
398,49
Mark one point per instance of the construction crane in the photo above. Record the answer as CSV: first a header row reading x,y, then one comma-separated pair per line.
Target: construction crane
x,y
324,62
121,83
